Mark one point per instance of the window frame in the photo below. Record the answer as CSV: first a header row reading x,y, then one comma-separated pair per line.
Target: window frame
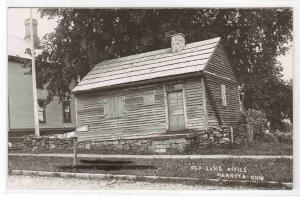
x,y
223,95
44,110
63,111
169,89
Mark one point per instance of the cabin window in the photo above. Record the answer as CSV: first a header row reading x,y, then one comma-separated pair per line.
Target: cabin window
x,y
41,111
114,107
66,111
149,99
223,93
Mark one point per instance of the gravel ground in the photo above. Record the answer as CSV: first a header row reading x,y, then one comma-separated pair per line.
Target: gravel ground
x,y
34,182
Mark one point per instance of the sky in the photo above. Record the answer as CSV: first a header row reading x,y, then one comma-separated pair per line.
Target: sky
x,y
15,27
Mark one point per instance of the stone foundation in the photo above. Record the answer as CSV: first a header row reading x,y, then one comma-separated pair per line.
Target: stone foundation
x,y
165,144
140,145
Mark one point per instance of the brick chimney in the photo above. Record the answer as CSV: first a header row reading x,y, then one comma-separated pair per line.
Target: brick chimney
x,y
177,42
27,29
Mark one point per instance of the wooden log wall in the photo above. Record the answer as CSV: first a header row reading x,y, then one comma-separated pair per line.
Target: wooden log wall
x,y
220,65
194,104
217,72
139,119
230,113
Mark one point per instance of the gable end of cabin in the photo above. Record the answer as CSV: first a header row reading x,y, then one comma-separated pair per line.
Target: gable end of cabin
x,y
222,87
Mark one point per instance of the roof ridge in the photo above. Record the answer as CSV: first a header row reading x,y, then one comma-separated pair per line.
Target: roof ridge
x,y
155,51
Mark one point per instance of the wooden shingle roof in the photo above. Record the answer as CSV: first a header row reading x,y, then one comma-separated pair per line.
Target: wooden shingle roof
x,y
150,65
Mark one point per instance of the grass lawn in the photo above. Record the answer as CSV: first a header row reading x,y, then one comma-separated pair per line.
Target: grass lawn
x,y
257,170
257,148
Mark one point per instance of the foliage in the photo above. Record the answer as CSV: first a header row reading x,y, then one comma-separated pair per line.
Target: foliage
x,y
253,39
251,118
286,127
257,120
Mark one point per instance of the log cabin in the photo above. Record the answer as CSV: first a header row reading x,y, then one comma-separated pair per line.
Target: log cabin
x,y
160,95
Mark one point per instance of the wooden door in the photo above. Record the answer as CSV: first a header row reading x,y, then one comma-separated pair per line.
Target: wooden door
x,y
176,111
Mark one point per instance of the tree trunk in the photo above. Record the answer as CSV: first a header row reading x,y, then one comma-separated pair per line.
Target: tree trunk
x,y
249,134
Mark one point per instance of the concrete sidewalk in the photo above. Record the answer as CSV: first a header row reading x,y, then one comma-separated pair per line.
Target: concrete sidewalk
x,y
158,156
287,185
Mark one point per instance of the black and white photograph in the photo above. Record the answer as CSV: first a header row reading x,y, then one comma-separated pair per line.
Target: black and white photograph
x,y
150,98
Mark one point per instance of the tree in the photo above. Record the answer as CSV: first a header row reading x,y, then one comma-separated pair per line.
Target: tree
x,y
253,38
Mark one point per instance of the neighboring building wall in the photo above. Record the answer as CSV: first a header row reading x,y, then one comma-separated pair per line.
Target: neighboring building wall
x,y
54,115
19,97
21,116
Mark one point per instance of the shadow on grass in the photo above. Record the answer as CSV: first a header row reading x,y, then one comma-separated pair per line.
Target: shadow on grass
x,y
101,161
107,167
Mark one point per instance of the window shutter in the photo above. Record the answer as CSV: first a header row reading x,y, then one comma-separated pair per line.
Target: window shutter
x,y
119,106
123,106
149,99
111,108
108,108
114,107
223,93
105,109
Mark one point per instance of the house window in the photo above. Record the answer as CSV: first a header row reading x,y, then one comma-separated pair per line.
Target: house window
x,y
66,111
223,94
41,111
114,107
149,99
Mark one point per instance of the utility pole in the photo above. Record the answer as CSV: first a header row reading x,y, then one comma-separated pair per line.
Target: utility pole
x,y
34,92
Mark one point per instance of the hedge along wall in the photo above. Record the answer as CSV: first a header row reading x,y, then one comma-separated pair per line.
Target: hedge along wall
x,y
160,144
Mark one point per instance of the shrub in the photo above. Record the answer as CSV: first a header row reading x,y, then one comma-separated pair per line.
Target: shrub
x,y
286,127
269,137
257,120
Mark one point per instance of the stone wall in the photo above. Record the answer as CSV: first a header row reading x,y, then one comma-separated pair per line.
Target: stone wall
x,y
165,144
33,143
141,145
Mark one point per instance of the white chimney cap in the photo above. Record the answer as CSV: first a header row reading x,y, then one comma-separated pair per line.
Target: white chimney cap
x,y
177,42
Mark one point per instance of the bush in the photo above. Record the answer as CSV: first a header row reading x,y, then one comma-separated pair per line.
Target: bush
x,y
240,134
258,121
254,119
286,127
269,137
